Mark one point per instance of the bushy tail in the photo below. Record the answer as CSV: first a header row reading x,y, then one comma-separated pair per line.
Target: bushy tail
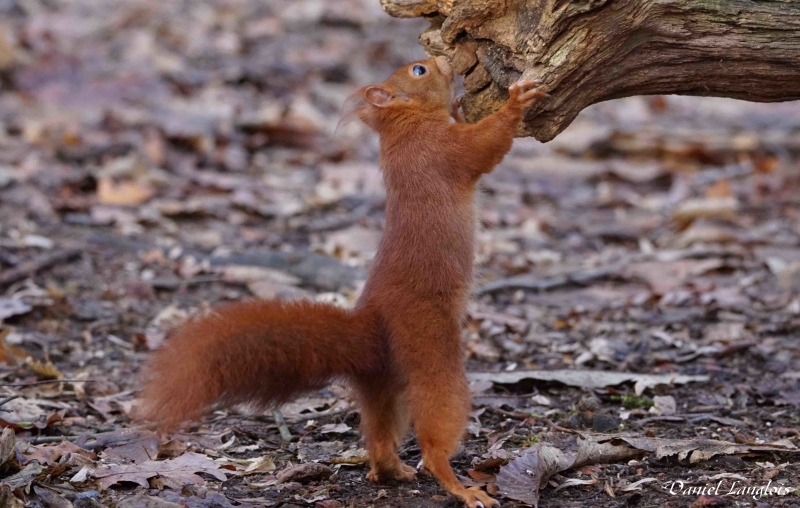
x,y
262,352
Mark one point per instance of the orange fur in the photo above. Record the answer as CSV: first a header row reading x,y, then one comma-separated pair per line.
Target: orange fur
x,y
400,347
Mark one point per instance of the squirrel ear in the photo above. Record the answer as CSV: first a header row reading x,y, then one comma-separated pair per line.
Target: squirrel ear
x,y
377,96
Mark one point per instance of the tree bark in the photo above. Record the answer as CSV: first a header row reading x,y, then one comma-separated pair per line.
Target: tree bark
x,y
588,51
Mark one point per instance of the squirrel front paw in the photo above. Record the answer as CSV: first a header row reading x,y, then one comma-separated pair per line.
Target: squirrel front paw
x,y
524,94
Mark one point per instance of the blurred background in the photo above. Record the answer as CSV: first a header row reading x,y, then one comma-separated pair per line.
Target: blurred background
x,y
157,157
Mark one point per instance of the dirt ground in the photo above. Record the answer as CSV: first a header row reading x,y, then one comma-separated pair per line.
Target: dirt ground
x,y
157,158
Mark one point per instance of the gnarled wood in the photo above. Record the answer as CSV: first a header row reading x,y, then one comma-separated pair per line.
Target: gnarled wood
x,y
588,51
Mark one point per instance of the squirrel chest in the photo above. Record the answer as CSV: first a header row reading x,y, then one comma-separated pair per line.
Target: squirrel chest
x,y
429,238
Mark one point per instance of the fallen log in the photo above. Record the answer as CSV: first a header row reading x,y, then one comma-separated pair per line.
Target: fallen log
x,y
588,51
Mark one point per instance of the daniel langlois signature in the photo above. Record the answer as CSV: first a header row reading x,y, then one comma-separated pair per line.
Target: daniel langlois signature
x,y
733,488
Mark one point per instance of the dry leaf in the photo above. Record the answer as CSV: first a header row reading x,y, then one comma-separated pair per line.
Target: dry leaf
x,y
23,413
709,207
7,442
664,405
260,465
181,470
720,190
45,369
522,478
12,307
637,485
309,471
335,428
140,446
50,454
663,277
696,450
15,355
572,482
171,449
587,378
50,498
126,192
244,273
24,478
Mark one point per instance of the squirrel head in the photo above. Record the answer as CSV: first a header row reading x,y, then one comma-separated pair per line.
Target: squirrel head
x,y
422,87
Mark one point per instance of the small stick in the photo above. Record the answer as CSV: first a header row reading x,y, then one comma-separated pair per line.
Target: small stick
x,y
559,427
8,399
286,435
49,439
324,414
29,268
34,383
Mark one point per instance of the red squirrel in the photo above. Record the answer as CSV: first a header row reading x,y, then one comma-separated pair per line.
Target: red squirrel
x,y
400,347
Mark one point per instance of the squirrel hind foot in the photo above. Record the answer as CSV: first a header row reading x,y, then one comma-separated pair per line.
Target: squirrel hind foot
x,y
474,497
401,472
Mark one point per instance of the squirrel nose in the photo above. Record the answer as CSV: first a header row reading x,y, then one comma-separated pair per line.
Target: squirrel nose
x,y
444,67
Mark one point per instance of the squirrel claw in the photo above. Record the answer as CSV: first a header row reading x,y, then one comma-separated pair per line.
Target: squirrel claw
x,y
524,93
455,110
474,497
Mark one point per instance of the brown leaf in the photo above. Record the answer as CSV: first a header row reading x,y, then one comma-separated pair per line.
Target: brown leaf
x,y
24,414
8,500
171,449
49,455
307,472
140,450
260,465
50,498
721,189
522,478
663,277
708,207
480,476
182,470
24,478
696,450
15,355
126,192
7,442
45,369
133,445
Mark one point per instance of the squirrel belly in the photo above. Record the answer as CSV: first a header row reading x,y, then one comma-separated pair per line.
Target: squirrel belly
x,y
263,353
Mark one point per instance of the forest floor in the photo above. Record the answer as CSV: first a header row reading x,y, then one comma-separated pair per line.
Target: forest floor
x,y
157,158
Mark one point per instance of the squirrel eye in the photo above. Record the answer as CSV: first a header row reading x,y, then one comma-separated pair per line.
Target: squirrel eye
x,y
419,70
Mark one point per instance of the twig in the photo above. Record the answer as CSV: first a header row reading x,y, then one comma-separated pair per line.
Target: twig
x,y
8,399
560,428
175,283
49,439
29,268
324,414
331,224
514,415
576,277
34,383
586,277
286,435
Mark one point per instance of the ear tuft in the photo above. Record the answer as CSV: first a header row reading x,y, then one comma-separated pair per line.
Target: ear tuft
x,y
378,96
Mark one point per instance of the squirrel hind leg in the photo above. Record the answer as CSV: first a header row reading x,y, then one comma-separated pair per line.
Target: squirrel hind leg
x,y
439,411
384,422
